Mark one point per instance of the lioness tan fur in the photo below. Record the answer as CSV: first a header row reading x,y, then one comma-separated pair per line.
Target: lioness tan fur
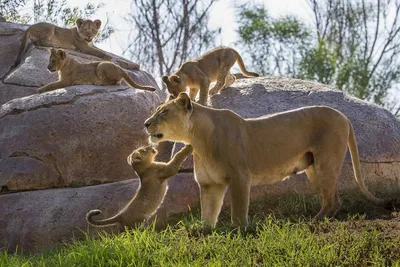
x,y
231,151
197,74
153,187
78,38
72,72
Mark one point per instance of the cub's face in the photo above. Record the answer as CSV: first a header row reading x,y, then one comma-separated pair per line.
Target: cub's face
x,y
88,29
175,85
57,60
145,154
171,120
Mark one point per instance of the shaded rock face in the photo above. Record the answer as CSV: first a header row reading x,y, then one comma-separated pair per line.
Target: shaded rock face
x,y
79,135
377,130
38,220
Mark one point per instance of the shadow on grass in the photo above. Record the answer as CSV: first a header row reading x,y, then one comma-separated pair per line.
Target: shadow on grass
x,y
356,211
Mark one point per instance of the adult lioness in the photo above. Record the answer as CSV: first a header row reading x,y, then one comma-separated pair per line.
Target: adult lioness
x,y
230,150
153,187
197,74
72,72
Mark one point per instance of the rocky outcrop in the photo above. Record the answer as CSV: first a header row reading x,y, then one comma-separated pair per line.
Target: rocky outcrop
x,y
80,135
40,219
75,137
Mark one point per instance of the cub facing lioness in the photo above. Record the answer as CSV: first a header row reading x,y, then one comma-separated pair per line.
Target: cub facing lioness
x,y
153,187
231,151
72,72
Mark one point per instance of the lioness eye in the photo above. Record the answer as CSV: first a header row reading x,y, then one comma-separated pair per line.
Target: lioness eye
x,y
165,111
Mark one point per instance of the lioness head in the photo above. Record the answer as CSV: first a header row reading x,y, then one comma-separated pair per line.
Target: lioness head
x,y
175,84
87,29
57,60
171,120
142,155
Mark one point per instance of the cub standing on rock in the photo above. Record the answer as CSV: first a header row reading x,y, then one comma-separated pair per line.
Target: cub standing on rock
x,y
72,72
231,151
79,38
213,66
153,187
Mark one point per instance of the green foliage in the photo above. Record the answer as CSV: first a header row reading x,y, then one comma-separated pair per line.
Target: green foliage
x,y
273,44
59,13
354,45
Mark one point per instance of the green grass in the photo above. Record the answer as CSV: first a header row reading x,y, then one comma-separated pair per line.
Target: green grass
x,y
280,234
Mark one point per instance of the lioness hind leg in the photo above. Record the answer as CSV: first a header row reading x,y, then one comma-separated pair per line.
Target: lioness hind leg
x,y
223,73
109,73
211,199
324,183
229,80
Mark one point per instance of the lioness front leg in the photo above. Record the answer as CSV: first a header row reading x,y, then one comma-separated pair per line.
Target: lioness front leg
x,y
204,85
240,195
94,52
51,86
211,199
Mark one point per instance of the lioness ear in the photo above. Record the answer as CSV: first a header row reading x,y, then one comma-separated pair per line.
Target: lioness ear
x,y
175,79
97,22
184,101
61,54
79,22
165,79
170,97
133,159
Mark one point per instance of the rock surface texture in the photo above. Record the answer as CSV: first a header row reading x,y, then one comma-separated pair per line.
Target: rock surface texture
x,y
80,135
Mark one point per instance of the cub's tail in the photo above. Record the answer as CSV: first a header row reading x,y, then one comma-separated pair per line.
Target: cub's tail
x,y
355,158
110,221
133,84
240,62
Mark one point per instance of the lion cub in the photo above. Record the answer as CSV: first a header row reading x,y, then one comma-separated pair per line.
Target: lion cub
x,y
153,187
72,72
79,38
213,66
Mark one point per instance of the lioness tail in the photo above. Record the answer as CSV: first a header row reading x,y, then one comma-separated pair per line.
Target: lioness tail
x,y
240,62
355,158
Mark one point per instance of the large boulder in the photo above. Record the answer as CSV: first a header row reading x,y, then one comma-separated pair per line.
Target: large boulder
x,y
74,137
377,130
79,135
40,219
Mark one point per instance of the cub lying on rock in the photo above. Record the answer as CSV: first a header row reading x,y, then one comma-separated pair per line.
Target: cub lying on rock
x,y
72,72
79,38
231,151
153,187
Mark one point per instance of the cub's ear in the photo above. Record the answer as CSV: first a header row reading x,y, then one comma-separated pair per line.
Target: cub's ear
x,y
97,22
52,50
165,79
184,101
79,22
170,97
133,158
175,79
61,54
